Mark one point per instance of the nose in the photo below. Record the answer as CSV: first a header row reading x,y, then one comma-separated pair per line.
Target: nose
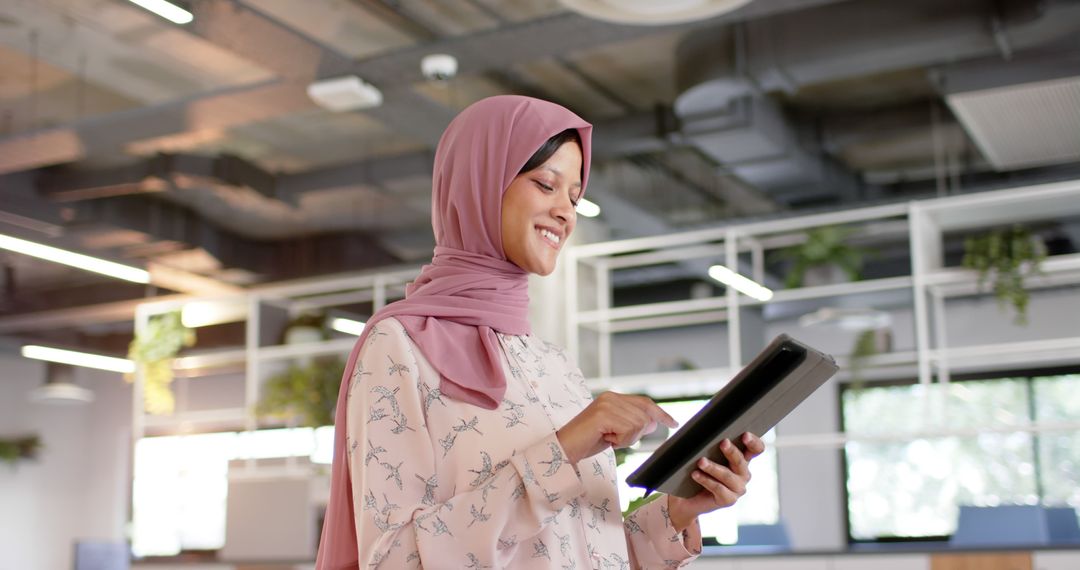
x,y
564,210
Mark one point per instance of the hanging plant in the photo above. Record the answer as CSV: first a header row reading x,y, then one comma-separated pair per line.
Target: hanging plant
x,y
1006,257
153,352
307,393
824,247
866,345
12,450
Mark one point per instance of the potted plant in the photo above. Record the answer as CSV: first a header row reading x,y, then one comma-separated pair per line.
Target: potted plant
x,y
824,247
1006,256
306,392
14,449
153,352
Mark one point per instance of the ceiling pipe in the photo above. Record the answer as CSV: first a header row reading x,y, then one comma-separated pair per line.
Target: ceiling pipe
x,y
723,75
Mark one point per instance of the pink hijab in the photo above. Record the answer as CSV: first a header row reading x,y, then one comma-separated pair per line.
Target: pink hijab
x,y
470,290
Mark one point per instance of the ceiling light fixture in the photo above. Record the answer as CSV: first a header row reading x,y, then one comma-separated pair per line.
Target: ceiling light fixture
x,y
741,284
347,326
651,12
587,208
347,93
206,313
74,358
167,10
59,388
76,260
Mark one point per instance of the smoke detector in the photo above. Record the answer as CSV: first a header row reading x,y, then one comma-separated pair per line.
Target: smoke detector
x,y
59,389
439,66
651,12
348,93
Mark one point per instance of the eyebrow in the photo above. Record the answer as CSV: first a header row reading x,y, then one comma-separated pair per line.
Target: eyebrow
x,y
559,173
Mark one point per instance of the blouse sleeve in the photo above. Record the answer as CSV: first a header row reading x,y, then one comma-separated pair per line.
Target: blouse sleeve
x,y
654,543
400,523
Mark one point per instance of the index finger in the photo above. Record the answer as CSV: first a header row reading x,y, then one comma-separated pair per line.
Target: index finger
x,y
656,412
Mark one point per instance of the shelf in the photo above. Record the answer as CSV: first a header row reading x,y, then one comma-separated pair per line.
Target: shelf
x,y
832,290
1016,205
211,359
1065,349
321,348
647,310
666,384
1057,270
652,310
222,415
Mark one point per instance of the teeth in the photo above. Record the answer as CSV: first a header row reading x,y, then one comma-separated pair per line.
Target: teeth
x,y
550,236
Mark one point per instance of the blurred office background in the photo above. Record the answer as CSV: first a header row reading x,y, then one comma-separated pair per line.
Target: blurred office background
x,y
249,180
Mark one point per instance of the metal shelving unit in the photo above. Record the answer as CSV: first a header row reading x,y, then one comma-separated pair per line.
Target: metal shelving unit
x,y
268,309
930,284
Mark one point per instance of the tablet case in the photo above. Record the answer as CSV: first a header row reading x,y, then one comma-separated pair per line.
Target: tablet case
x,y
779,378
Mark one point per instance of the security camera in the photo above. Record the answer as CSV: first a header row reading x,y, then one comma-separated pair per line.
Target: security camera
x,y
438,66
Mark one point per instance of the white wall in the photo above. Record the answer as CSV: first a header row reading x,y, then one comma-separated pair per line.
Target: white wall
x,y
78,487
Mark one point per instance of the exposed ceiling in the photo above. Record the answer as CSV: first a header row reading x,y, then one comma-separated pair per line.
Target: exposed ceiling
x,y
195,147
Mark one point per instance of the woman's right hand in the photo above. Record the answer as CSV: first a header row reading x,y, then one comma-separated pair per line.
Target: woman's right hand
x,y
611,420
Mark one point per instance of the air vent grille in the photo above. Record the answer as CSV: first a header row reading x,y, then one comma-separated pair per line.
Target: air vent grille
x,y
1029,124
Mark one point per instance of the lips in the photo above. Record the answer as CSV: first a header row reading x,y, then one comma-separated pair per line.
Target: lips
x,y
552,238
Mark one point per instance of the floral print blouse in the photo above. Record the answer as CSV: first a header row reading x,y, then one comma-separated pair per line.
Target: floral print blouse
x,y
439,483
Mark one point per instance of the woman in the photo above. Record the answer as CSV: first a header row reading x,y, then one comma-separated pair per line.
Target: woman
x,y
465,442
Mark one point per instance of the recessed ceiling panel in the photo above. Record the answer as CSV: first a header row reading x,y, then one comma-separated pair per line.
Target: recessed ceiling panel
x,y
1023,125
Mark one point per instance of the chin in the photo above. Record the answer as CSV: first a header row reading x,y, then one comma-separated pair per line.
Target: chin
x,y
542,268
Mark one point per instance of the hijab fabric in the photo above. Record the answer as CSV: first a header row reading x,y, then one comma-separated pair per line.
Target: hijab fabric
x,y
469,291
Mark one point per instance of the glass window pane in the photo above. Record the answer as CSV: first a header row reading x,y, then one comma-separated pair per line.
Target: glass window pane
x,y
1057,401
902,481
760,505
181,483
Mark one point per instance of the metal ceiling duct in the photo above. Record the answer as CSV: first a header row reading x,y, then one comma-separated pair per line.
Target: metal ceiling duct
x,y
650,12
723,75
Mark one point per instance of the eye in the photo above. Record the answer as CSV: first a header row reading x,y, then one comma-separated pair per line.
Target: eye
x,y
544,187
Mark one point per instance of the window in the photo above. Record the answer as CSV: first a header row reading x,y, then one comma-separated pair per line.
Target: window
x,y
182,482
917,455
760,505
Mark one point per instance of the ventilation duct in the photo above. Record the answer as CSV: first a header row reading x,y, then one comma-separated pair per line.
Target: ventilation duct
x,y
651,12
850,39
723,75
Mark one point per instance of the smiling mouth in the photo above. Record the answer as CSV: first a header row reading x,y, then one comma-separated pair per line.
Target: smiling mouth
x,y
549,237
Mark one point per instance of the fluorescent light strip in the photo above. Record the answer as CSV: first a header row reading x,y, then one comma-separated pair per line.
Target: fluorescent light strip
x,y
74,358
76,260
167,10
204,313
347,326
587,208
741,284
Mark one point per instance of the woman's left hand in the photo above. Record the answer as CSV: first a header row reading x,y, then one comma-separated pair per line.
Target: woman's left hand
x,y
722,485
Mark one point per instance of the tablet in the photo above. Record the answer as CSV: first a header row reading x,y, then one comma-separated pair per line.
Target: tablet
x,y
784,374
